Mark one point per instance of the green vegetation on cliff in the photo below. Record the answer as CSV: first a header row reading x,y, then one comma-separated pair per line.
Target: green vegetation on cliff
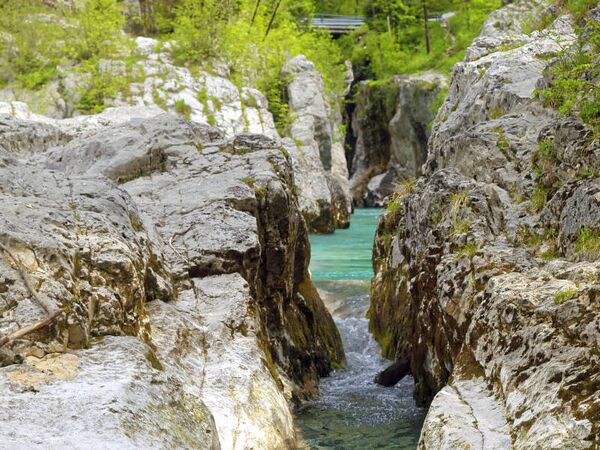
x,y
39,44
575,76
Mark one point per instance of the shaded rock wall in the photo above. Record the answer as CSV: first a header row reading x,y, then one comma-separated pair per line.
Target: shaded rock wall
x,y
391,124
488,290
191,244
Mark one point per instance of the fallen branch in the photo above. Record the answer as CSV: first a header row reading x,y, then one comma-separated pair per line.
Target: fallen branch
x,y
47,321
179,233
30,329
43,303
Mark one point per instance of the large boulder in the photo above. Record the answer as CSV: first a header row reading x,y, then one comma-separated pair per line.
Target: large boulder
x,y
159,238
158,85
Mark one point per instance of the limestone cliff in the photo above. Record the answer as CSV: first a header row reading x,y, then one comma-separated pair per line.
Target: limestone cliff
x,y
177,260
488,290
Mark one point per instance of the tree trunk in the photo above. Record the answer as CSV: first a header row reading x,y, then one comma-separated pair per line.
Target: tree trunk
x,y
426,24
255,12
147,17
273,18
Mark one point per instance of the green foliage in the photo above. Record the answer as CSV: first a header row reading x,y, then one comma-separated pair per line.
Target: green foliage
x,y
574,87
100,23
37,40
198,29
458,201
468,250
586,173
183,109
397,45
249,181
543,159
538,199
438,102
497,112
101,86
566,295
545,153
344,7
394,203
502,143
543,245
588,243
255,46
460,226
278,105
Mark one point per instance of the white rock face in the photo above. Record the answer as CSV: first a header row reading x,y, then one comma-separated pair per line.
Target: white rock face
x,y
223,363
490,295
109,396
178,262
465,415
490,101
202,97
316,149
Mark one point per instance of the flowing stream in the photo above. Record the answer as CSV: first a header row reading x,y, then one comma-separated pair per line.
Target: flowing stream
x,y
352,412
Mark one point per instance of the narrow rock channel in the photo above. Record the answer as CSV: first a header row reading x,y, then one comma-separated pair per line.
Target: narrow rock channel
x,y
352,412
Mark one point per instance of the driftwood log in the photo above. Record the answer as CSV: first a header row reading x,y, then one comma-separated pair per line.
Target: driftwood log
x,y
393,374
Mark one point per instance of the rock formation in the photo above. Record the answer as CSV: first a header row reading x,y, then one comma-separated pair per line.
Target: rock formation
x,y
488,289
391,124
202,97
316,144
178,260
316,148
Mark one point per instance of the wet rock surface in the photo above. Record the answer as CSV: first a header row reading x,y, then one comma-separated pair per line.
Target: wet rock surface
x,y
162,240
491,293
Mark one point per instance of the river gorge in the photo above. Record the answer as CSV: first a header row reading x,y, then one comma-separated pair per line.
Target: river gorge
x,y
353,412
219,226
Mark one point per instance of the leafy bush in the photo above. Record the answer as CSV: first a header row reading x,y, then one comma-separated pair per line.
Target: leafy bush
x,y
38,39
255,43
575,86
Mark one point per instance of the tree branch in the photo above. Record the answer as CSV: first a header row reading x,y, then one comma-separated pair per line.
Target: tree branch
x,y
27,280
52,314
30,328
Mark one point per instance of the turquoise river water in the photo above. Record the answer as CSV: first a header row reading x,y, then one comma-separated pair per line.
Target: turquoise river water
x,y
352,412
